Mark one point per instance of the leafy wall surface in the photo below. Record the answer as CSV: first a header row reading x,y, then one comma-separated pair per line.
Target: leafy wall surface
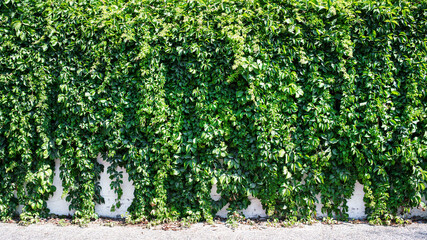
x,y
280,100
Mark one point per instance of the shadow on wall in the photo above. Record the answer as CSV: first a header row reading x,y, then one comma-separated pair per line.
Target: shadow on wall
x,y
58,205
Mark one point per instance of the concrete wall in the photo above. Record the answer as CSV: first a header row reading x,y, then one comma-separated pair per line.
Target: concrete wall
x,y
60,206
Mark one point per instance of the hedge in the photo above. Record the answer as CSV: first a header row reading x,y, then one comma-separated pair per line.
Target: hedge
x,y
281,100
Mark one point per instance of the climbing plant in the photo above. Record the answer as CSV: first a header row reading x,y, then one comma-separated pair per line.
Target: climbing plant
x,y
289,101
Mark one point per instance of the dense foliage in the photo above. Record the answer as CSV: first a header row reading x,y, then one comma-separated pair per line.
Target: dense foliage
x,y
281,100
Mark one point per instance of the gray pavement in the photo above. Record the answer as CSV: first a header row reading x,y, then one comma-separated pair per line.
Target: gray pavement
x,y
216,231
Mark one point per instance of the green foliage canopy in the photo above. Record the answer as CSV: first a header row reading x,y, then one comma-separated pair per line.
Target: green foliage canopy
x,y
281,100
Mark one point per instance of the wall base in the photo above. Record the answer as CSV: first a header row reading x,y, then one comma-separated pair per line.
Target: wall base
x,y
58,205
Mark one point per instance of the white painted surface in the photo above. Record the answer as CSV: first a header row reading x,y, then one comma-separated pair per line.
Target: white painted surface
x,y
254,209
59,205
356,205
56,203
417,212
109,195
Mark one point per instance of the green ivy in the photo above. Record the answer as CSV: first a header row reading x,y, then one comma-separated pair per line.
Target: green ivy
x,y
282,100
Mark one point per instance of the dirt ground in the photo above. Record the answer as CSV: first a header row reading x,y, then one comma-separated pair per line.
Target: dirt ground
x,y
106,229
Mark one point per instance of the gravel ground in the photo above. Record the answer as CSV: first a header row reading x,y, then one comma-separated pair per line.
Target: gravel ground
x,y
215,231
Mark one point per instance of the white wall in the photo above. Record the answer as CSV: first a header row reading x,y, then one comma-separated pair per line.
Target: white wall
x,y
59,205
